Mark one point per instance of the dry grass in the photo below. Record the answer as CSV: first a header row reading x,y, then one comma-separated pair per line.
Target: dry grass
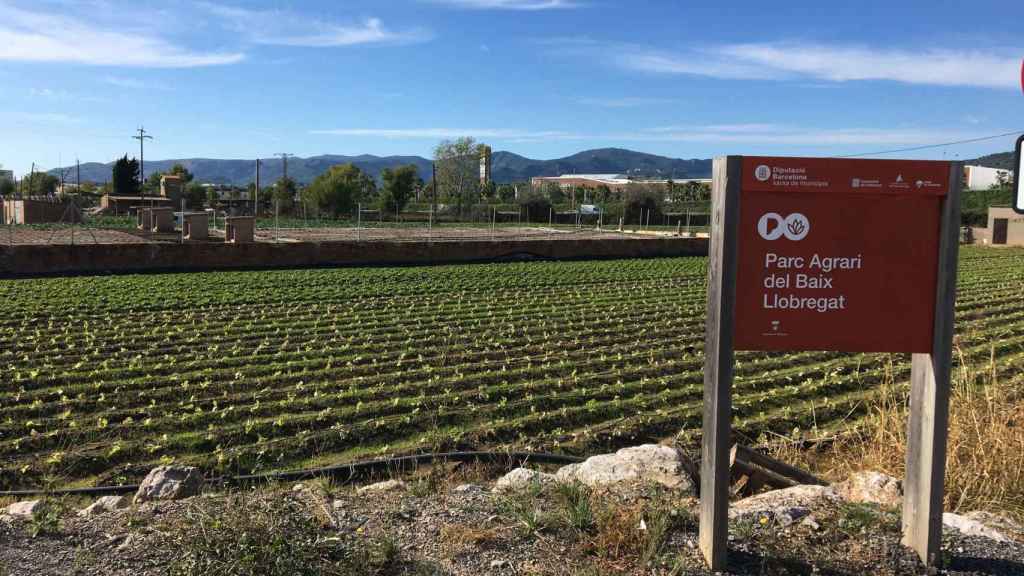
x,y
984,465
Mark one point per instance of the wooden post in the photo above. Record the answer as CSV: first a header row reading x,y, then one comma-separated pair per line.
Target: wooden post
x,y
929,397
718,362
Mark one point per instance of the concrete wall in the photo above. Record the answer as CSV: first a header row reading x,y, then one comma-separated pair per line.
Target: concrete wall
x,y
1014,225
32,260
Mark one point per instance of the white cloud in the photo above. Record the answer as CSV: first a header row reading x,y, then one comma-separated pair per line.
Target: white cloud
x,y
29,36
511,4
61,95
830,63
750,134
281,28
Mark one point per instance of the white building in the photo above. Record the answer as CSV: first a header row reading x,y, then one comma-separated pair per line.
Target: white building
x,y
983,177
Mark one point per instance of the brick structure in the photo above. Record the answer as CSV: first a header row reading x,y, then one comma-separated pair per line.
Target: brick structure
x,y
239,229
172,186
40,211
195,225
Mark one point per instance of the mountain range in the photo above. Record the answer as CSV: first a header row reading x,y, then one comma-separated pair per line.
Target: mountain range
x,y
505,167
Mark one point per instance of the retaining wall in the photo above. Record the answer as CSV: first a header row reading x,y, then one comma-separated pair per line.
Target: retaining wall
x,y
35,260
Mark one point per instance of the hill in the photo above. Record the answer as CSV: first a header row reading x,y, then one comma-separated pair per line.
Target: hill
x,y
1003,160
507,166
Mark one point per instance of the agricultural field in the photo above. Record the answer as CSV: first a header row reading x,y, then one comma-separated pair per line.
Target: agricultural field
x,y
104,377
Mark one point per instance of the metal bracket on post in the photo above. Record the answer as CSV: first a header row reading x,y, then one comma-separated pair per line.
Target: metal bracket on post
x,y
718,362
929,397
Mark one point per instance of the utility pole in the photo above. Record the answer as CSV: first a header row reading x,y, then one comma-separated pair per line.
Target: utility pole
x,y
256,194
142,137
284,160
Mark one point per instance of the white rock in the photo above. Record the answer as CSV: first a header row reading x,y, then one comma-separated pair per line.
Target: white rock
x,y
468,489
871,487
1000,523
647,463
169,483
969,527
786,501
522,478
104,504
25,509
385,486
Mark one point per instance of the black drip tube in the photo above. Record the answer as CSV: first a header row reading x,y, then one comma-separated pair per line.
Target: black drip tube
x,y
343,472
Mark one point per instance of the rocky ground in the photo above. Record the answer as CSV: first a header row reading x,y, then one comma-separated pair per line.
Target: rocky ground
x,y
633,513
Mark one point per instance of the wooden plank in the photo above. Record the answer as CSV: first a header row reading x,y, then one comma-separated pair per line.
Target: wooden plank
x,y
718,362
778,467
739,463
929,398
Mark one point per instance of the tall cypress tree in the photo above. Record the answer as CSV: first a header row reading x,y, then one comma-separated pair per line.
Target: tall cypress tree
x,y
125,177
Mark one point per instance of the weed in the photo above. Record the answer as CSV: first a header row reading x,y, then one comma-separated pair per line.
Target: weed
x,y
576,507
46,519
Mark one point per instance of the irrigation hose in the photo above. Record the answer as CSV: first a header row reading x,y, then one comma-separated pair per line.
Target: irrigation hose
x,y
343,472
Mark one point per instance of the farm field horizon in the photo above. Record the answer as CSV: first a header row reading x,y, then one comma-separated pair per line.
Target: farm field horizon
x,y
104,377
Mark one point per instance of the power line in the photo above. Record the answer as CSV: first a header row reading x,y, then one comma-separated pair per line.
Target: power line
x,y
929,146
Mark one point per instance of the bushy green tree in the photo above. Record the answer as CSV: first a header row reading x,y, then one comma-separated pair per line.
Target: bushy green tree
x,y
536,205
125,177
457,172
284,195
398,189
339,189
194,195
6,187
506,193
642,200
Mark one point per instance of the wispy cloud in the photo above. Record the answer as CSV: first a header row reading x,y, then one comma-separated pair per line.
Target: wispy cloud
x,y
511,4
58,95
36,36
750,134
625,102
803,62
282,28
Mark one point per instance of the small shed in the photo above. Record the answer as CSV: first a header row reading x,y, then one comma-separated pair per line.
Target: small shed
x,y
157,219
195,225
40,210
239,229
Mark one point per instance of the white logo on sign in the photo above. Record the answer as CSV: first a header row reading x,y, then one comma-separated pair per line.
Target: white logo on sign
x,y
856,182
773,226
899,178
763,173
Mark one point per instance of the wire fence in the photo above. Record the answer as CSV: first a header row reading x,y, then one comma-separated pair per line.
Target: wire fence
x,y
48,220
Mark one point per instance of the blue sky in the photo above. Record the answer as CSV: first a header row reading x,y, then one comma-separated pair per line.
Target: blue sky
x,y
542,78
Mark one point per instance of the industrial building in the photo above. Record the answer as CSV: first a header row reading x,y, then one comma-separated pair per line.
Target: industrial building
x,y
7,175
611,181
983,177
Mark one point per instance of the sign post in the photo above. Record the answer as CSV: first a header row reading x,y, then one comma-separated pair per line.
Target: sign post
x,y
1018,173
833,254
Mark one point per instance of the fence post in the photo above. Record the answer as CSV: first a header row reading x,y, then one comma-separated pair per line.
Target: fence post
x,y
718,362
929,397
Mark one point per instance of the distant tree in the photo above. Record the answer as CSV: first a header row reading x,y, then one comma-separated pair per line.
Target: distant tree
x,y
194,195
6,187
536,204
39,184
180,170
153,183
339,189
284,195
554,192
88,188
642,200
457,171
212,196
506,193
125,177
398,189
